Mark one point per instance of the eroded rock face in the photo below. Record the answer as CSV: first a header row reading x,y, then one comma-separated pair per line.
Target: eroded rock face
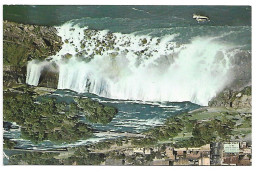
x,y
241,71
234,99
238,93
12,75
49,76
22,43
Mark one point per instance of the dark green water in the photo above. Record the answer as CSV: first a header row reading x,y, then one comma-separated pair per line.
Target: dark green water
x,y
144,20
145,16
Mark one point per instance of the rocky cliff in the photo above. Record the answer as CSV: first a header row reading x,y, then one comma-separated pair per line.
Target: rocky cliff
x,y
22,43
233,99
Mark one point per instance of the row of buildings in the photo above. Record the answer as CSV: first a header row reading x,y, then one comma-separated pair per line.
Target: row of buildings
x,y
229,153
234,153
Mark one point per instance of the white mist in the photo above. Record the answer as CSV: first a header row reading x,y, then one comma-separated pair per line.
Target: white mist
x,y
193,72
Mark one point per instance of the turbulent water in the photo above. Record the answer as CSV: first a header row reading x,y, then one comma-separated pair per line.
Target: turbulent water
x,y
141,67
133,117
141,59
148,53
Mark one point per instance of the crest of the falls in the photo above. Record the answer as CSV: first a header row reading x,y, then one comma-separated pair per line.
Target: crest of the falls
x,y
128,66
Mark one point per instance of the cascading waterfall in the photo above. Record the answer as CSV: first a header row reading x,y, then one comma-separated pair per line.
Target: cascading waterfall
x,y
128,66
34,69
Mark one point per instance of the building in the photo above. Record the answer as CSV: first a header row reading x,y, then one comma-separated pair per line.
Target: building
x,y
205,147
232,147
230,160
246,151
147,151
116,162
243,145
245,161
193,155
236,153
138,150
169,153
155,149
129,152
182,161
204,161
161,162
179,152
216,153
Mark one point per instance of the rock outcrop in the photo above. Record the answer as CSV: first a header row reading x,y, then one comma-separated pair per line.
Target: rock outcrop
x,y
233,99
49,79
22,43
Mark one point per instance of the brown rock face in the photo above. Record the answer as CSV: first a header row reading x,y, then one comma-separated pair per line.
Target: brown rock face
x,y
22,43
49,79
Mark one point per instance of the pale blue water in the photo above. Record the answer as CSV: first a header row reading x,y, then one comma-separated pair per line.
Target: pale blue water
x,y
132,117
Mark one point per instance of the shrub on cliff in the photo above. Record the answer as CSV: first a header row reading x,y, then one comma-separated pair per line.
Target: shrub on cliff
x,y
22,43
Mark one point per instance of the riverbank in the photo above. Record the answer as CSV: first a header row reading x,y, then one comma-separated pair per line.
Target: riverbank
x,y
146,151
206,125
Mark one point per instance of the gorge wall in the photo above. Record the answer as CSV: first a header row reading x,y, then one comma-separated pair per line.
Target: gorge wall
x,y
22,43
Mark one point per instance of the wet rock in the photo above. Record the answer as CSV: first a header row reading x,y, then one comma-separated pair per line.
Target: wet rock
x,y
67,56
158,41
49,79
31,27
239,95
125,51
114,54
82,46
144,41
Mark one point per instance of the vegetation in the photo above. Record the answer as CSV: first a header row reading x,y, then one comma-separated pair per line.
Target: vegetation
x,y
96,112
9,144
82,156
143,142
212,127
45,119
15,55
34,158
22,43
103,145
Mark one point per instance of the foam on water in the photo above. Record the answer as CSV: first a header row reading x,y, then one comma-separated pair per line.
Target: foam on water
x,y
135,67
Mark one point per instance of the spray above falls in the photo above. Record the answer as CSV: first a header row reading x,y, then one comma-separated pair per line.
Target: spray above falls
x,y
134,67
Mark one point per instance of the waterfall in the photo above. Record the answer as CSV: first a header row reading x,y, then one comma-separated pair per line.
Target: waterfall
x,y
34,69
128,66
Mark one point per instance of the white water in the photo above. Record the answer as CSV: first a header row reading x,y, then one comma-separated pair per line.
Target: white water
x,y
34,69
166,71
